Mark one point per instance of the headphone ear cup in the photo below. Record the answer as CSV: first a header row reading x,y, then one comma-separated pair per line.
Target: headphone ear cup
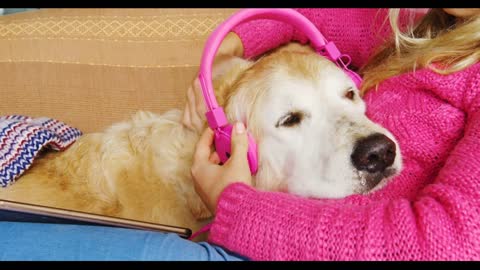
x,y
252,155
223,144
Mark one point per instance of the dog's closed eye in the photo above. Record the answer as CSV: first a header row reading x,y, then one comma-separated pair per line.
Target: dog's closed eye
x,y
290,119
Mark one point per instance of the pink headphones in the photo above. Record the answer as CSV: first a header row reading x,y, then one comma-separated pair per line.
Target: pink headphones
x,y
216,118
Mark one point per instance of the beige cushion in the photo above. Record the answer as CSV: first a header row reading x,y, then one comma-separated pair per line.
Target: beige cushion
x,y
93,67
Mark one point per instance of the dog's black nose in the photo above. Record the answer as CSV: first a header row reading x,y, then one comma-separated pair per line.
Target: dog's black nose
x,y
374,153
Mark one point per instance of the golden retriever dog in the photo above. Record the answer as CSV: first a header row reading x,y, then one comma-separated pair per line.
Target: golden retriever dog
x,y
309,122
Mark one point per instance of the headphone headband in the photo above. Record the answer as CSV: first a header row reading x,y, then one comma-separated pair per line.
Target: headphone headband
x,y
215,115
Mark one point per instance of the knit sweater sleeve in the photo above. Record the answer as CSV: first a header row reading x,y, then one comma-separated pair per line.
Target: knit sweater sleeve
x,y
440,223
355,31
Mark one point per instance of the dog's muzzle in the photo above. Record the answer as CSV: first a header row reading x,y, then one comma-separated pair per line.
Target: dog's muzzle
x,y
374,154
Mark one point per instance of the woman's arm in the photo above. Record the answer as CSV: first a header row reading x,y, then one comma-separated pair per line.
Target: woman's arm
x,y
441,223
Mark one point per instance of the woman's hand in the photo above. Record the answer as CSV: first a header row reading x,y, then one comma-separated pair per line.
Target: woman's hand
x,y
211,179
194,112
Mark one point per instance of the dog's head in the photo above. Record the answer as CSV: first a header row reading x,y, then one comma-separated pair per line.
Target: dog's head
x,y
309,124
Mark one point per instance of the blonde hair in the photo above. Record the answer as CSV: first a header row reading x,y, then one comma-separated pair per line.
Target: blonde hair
x,y
439,41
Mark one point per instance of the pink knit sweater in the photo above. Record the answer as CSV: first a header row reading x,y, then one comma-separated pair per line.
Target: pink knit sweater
x,y
429,212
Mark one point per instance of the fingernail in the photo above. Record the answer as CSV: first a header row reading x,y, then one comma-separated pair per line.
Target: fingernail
x,y
239,128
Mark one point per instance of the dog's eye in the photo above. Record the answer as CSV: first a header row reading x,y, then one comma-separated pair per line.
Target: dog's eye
x,y
290,119
350,94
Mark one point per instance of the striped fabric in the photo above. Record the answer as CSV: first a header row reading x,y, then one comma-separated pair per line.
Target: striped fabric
x,y
22,138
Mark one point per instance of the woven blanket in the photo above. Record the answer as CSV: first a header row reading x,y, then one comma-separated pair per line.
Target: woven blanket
x,y
23,137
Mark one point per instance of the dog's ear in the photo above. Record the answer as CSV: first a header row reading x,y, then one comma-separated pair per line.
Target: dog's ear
x,y
225,64
226,72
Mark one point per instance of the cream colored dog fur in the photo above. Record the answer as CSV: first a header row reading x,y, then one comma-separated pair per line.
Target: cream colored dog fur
x,y
304,112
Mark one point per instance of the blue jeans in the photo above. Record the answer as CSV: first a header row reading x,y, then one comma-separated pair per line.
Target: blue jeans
x,y
24,241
